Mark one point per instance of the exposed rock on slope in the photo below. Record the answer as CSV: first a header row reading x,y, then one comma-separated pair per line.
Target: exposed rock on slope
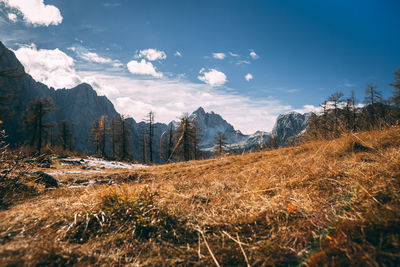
x,y
210,123
290,125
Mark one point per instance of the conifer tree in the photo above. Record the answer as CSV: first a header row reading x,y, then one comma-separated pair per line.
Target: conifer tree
x,y
93,136
35,121
220,143
98,135
166,144
125,134
335,100
150,134
186,135
372,95
396,86
65,136
115,126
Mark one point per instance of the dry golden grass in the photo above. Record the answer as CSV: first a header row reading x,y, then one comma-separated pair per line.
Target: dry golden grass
x,y
322,203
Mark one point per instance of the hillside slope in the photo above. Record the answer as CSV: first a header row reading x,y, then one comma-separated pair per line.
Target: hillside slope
x,y
328,202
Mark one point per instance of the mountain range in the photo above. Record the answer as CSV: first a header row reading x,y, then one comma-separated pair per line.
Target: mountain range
x,y
81,105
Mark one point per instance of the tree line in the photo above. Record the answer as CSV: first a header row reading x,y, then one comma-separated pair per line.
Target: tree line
x,y
340,114
42,134
113,139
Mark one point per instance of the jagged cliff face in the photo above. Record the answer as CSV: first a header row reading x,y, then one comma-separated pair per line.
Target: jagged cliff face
x,y
80,105
14,81
210,123
290,125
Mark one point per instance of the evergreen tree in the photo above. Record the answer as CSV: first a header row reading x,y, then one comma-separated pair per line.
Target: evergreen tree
x,y
372,95
186,135
94,137
349,113
143,144
335,100
116,124
98,135
125,135
220,143
396,86
65,136
35,121
150,133
167,144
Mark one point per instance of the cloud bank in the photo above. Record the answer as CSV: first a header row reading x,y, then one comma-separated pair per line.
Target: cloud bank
x,y
169,98
35,12
51,67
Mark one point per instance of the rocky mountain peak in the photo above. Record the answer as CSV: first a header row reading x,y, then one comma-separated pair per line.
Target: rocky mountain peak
x,y
200,111
290,125
9,64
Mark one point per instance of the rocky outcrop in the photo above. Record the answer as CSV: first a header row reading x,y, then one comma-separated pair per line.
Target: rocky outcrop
x,y
290,125
210,123
81,106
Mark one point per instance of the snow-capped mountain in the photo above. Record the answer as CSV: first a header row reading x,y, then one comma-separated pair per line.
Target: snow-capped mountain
x,y
287,126
290,125
210,123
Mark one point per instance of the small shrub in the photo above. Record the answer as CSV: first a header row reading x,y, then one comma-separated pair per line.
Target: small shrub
x,y
136,216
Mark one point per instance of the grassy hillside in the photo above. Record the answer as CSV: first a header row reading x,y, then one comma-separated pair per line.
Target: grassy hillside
x,y
323,203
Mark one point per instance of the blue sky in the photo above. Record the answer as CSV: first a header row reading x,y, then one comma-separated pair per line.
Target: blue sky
x,y
173,56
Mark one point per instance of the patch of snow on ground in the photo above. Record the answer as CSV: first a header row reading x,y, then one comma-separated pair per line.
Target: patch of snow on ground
x,y
71,172
102,163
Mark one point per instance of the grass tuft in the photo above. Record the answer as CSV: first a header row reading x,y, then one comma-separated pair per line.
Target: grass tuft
x,y
123,212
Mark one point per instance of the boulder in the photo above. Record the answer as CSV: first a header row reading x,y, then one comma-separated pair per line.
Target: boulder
x,y
46,179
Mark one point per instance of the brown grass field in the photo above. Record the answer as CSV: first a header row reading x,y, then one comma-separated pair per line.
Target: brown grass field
x,y
324,203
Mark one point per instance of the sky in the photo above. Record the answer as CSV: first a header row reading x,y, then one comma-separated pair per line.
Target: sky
x,y
248,61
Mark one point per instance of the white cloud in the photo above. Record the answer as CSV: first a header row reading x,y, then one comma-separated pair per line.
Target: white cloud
x,y
309,108
240,62
51,67
178,54
233,54
169,98
36,12
152,54
12,17
94,57
248,77
111,4
212,77
319,109
143,68
254,55
348,84
219,55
